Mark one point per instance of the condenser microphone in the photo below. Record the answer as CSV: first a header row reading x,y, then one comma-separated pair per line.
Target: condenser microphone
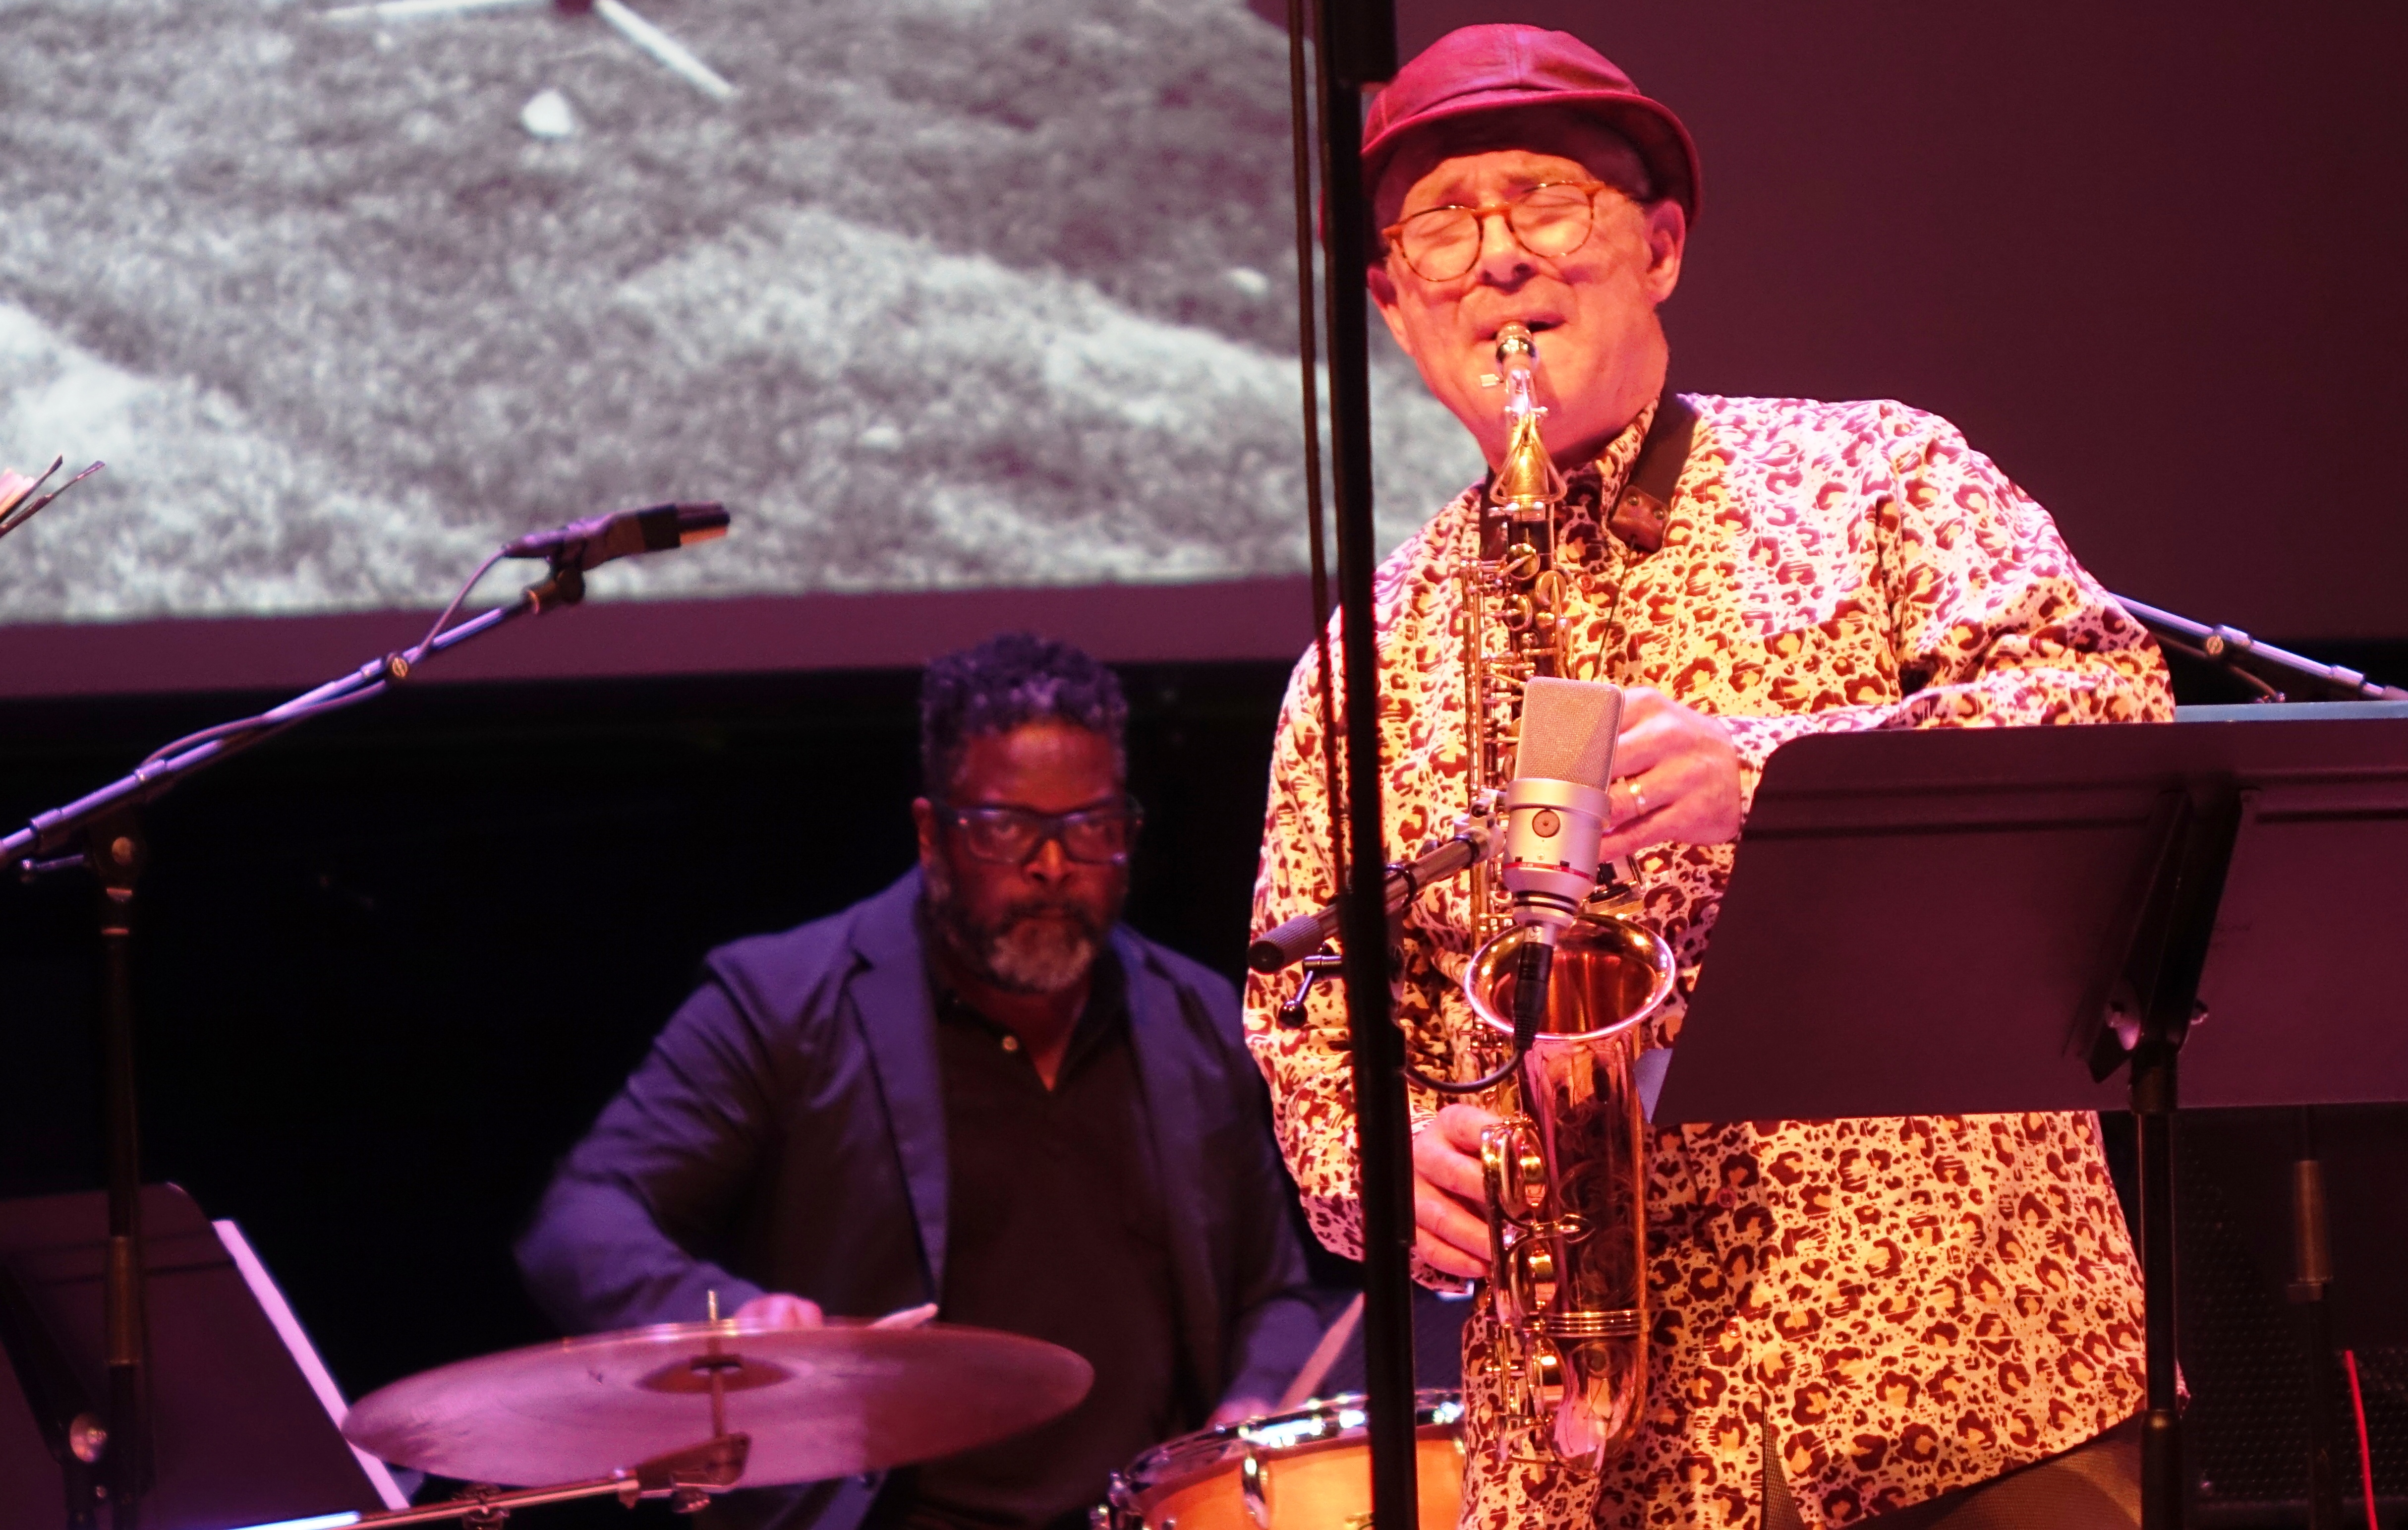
x,y
596,540
1556,812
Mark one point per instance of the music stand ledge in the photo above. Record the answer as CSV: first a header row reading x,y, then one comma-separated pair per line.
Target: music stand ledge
x,y
2031,909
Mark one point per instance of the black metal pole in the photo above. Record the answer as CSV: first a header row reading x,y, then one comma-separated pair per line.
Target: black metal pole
x,y
2168,952
62,826
115,853
2152,1113
1357,49
2277,673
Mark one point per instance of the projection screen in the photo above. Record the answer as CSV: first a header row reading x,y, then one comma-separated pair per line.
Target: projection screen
x,y
942,296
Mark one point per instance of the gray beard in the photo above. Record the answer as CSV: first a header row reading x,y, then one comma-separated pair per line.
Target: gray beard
x,y
1033,948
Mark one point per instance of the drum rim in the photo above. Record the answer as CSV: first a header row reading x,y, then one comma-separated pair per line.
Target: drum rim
x,y
1286,1430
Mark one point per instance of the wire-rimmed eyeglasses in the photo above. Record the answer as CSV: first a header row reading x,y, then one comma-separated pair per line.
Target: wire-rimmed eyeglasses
x,y
1100,836
1553,218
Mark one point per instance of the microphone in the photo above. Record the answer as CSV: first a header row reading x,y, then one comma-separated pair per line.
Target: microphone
x,y
1556,812
596,540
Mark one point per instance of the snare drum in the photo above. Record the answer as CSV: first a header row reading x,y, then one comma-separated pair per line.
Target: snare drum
x,y
1309,1469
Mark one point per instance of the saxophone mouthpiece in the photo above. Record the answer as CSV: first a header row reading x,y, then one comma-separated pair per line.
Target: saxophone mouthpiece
x,y
1515,341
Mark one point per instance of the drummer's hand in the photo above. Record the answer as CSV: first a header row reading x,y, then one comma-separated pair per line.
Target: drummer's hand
x,y
1237,1410
779,1311
1675,777
1450,1225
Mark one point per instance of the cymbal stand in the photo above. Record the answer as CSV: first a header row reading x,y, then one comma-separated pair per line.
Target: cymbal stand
x,y
686,1479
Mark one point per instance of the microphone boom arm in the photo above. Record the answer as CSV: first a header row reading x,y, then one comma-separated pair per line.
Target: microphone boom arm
x,y
49,833
1476,840
2271,670
571,550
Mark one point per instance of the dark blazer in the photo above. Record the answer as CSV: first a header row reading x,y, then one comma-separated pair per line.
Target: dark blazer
x,y
787,1132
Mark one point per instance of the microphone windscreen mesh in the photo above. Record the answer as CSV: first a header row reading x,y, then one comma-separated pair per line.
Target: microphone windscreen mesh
x,y
1568,727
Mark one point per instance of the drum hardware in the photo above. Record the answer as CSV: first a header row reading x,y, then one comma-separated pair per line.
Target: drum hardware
x,y
1255,1487
685,1478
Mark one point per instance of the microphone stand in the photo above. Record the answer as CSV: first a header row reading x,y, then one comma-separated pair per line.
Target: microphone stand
x,y
2274,673
2278,675
1357,49
112,847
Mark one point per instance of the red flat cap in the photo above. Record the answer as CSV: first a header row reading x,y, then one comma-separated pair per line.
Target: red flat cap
x,y
1505,67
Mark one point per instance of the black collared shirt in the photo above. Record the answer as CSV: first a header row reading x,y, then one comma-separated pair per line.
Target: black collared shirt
x,y
1055,1228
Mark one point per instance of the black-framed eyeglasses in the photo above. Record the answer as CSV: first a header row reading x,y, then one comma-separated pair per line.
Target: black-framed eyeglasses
x,y
1553,218
1100,836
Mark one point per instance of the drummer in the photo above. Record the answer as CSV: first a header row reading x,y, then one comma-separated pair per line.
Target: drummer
x,y
978,1090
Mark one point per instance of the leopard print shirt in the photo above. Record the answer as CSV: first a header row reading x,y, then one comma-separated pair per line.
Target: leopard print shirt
x,y
1902,1305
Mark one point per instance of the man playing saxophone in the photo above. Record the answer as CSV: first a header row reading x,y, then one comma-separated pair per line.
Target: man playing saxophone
x,y
1925,1321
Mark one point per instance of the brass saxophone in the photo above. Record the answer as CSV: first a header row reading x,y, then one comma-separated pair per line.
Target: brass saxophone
x,y
1566,1167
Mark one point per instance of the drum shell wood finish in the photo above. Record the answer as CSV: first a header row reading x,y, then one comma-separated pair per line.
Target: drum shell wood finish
x,y
1314,1483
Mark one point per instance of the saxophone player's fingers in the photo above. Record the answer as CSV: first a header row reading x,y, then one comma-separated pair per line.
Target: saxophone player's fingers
x,y
1627,800
1452,1233
1640,806
1446,1149
1447,1236
1651,731
1676,777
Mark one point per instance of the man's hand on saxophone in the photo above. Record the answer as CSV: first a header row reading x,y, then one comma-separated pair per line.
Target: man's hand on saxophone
x,y
1450,1220
1676,777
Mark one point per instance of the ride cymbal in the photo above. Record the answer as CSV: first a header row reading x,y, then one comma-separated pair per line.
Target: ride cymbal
x,y
817,1402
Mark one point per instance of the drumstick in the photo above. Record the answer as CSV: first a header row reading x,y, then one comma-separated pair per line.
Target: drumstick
x,y
1324,1354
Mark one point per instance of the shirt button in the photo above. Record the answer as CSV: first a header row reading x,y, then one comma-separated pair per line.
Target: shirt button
x,y
1011,1043
1726,1198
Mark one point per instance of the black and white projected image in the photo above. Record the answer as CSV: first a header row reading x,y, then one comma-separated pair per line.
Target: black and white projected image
x,y
934,294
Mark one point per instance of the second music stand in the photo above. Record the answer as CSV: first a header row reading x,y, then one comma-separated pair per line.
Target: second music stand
x,y
2043,906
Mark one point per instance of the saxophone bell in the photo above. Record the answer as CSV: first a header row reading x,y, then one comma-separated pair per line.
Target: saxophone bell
x,y
1565,1175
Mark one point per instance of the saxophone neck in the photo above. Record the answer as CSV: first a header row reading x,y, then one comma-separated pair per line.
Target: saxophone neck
x,y
1526,480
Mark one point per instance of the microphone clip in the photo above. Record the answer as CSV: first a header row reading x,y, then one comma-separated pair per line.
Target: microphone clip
x,y
561,588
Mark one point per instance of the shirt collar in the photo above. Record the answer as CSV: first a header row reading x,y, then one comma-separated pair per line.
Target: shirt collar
x,y
1582,538
1104,1015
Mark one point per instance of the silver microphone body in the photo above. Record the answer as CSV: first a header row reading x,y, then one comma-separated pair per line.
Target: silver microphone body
x,y
1556,809
1556,812
1551,830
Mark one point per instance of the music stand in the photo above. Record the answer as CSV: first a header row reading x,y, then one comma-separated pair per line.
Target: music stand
x,y
2035,907
246,1427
